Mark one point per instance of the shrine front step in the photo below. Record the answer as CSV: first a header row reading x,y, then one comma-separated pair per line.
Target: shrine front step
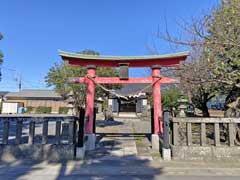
x,y
126,115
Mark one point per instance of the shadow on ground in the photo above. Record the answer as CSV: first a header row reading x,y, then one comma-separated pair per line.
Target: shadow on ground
x,y
104,123
93,167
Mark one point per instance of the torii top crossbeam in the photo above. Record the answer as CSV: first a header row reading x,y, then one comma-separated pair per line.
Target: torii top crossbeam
x,y
93,61
166,60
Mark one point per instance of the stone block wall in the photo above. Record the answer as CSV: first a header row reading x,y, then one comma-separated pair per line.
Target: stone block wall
x,y
48,152
210,153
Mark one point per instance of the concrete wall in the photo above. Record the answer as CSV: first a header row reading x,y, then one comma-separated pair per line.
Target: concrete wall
x,y
206,153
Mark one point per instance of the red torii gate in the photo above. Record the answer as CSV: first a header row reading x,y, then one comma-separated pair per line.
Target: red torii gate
x,y
93,61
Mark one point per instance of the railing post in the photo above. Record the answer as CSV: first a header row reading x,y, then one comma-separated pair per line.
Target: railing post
x,y
71,129
203,134
80,138
44,131
216,134
231,134
94,119
5,130
19,122
31,131
152,121
58,131
175,133
74,129
189,134
166,123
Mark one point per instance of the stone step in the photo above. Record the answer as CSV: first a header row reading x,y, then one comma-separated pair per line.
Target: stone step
x,y
127,115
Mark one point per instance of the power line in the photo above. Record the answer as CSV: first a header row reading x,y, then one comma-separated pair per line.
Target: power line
x,y
20,80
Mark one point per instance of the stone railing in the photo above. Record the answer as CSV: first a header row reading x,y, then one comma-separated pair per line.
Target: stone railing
x,y
38,135
204,138
229,122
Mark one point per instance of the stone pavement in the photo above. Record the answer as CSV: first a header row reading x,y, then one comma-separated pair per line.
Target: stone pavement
x,y
119,139
129,168
120,154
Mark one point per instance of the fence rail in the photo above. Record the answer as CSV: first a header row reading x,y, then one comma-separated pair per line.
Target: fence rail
x,y
12,128
183,127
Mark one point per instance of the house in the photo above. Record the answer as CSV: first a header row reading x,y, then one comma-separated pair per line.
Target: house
x,y
2,94
34,98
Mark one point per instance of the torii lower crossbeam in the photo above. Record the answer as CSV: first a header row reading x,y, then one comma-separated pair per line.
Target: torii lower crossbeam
x,y
116,80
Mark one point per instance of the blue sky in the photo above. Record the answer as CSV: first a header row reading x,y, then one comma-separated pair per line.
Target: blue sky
x,y
34,31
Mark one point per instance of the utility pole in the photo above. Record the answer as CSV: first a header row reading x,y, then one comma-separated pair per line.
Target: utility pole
x,y
18,78
20,82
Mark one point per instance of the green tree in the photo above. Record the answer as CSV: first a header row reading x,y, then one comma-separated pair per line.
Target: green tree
x,y
170,98
1,56
223,44
59,75
89,52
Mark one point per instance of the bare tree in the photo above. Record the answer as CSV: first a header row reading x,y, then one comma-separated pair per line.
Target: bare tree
x,y
214,40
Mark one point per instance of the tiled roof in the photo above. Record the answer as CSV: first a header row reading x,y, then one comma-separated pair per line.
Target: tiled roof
x,y
133,88
3,93
32,93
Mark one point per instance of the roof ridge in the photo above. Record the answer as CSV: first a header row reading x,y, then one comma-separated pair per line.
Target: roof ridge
x,y
38,90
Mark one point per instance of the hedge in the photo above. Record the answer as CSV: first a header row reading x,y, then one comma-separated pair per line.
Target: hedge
x,y
63,110
43,110
29,109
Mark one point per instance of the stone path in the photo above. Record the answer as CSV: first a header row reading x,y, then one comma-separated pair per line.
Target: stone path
x,y
120,139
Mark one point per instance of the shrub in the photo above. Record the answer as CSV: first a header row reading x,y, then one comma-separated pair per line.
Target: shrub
x,y
43,110
29,109
63,110
170,98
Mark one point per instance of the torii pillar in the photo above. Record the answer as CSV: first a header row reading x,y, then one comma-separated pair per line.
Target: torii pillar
x,y
89,113
157,106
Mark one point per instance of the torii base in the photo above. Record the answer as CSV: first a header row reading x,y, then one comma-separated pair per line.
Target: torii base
x,y
80,152
155,142
166,154
90,142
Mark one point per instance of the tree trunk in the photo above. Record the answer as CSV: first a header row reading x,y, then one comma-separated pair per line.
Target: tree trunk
x,y
205,111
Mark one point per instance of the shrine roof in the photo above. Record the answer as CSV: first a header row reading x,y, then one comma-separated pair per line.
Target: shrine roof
x,y
120,58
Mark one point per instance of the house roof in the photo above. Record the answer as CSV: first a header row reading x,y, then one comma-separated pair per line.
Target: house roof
x,y
133,88
34,93
3,93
